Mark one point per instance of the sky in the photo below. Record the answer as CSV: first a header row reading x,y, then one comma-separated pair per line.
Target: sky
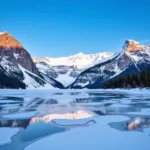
x,y
56,28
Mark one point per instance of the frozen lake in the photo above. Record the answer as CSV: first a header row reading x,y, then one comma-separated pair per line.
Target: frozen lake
x,y
74,119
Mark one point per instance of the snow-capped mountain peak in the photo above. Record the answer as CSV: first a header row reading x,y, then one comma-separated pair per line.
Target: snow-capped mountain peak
x,y
134,46
79,60
132,59
17,70
66,69
3,32
8,41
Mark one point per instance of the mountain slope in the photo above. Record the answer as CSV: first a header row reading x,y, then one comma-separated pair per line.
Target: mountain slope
x,y
16,65
132,59
66,69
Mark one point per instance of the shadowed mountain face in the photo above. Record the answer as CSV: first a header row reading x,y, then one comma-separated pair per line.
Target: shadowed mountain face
x,y
11,48
132,59
17,70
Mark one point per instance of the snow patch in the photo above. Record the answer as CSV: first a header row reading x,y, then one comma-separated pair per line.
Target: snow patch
x,y
65,79
30,82
17,56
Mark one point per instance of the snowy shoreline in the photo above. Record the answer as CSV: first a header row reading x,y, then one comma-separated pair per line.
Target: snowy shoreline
x,y
135,90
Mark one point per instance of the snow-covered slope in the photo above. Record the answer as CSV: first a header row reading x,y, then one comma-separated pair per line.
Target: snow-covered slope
x,y
66,69
17,70
79,60
130,60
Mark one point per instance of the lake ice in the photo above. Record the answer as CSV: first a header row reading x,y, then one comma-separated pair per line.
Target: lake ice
x,y
75,119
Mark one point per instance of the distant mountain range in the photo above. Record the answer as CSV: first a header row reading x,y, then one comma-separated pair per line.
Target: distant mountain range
x,y
66,69
19,70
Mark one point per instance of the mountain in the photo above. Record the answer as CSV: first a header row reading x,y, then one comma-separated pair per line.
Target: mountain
x,y
17,70
66,69
132,59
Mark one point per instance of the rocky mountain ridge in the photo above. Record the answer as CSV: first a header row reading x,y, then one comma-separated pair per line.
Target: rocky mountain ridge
x,y
132,59
66,69
16,66
79,61
19,70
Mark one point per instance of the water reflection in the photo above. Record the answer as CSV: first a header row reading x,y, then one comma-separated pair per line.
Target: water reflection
x,y
15,123
137,123
36,128
74,106
80,114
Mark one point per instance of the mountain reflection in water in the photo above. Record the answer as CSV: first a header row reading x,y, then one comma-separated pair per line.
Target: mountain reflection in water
x,y
134,124
36,128
57,112
139,123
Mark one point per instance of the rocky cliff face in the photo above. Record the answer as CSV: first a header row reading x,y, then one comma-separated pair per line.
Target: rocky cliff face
x,y
12,48
134,46
9,42
16,64
133,58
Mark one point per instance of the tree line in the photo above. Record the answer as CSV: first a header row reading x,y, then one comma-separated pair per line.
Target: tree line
x,y
130,81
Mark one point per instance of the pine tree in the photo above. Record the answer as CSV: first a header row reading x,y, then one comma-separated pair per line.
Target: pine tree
x,y
143,78
129,80
148,78
135,80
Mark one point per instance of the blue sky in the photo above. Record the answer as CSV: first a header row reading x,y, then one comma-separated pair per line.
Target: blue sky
x,y
57,28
